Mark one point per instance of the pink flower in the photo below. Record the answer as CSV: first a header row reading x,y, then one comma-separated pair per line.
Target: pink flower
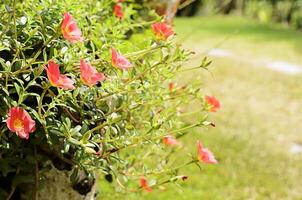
x,y
20,122
162,30
144,184
169,140
118,11
89,75
70,30
119,61
205,155
56,78
213,102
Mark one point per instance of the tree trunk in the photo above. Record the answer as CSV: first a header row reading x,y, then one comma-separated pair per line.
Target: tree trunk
x,y
171,10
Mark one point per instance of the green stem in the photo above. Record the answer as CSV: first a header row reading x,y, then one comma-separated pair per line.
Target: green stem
x,y
142,137
97,128
41,101
142,52
163,171
143,24
14,18
185,128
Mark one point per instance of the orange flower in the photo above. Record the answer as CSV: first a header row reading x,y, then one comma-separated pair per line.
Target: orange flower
x,y
144,184
20,122
162,30
169,140
213,102
118,11
119,61
70,30
56,78
205,155
171,86
89,75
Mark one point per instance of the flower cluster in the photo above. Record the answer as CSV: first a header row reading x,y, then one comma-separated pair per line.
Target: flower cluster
x,y
19,120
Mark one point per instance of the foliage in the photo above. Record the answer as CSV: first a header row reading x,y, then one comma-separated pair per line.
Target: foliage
x,y
278,11
267,11
115,126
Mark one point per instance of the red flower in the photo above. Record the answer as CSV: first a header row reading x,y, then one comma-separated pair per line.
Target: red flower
x,y
118,11
119,61
144,184
70,30
89,75
162,30
213,102
56,78
205,155
171,86
20,122
169,140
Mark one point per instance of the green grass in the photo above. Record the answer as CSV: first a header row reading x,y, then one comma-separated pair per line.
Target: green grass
x,y
261,40
260,116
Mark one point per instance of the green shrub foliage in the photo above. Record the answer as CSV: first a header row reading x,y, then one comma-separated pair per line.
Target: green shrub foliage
x,y
117,125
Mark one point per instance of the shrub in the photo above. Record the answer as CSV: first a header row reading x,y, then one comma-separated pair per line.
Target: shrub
x,y
297,19
262,10
86,86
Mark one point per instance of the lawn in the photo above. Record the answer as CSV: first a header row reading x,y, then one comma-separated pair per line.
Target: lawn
x,y
260,117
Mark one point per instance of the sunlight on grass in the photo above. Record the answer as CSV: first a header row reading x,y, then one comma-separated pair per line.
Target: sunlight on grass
x,y
243,36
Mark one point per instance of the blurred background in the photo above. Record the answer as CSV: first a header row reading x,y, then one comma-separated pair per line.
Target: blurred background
x,y
256,49
287,12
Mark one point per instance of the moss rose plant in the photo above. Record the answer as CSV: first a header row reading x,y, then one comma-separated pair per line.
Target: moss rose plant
x,y
87,88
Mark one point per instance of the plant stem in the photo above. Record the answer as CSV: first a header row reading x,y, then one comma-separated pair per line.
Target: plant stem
x,y
161,172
